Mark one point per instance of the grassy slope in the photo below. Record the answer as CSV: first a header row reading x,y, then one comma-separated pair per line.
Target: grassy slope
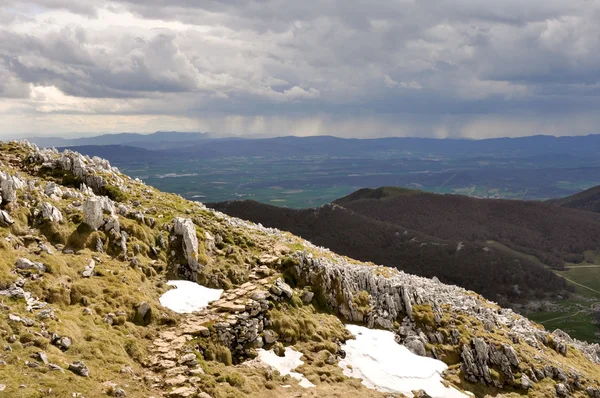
x,y
117,288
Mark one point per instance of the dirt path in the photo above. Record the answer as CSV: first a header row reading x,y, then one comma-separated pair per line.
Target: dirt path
x,y
583,266
172,365
579,284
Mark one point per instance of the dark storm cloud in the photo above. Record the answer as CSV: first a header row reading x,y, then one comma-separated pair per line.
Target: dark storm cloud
x,y
429,58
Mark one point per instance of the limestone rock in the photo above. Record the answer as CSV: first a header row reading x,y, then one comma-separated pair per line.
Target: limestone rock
x,y
526,383
61,342
89,269
182,392
270,336
5,219
92,213
79,368
143,314
307,297
25,264
562,390
185,228
51,213
52,190
9,186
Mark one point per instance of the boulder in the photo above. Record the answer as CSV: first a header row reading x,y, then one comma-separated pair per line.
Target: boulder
x,y
415,345
23,263
5,219
53,190
89,269
562,390
9,186
307,297
51,213
270,336
185,228
79,368
143,314
92,213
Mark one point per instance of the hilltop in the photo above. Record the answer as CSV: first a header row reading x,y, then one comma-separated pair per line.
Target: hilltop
x,y
87,255
587,200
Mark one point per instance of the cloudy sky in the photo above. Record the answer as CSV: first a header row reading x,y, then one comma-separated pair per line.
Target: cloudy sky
x,y
470,68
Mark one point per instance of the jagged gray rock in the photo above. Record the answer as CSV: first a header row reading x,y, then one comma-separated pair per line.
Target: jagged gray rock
x,y
79,368
92,213
9,186
24,263
51,213
184,227
5,218
143,314
89,269
53,191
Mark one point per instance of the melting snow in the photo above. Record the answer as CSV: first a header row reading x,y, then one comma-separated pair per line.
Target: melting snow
x,y
387,366
188,297
286,364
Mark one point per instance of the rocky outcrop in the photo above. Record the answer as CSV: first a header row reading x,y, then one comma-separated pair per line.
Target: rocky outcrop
x,y
93,172
421,306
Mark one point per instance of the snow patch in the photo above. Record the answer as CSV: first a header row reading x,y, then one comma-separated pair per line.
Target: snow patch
x,y
286,364
387,366
188,297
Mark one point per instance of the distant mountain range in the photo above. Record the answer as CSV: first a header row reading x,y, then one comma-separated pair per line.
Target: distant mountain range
x,y
207,144
498,248
158,140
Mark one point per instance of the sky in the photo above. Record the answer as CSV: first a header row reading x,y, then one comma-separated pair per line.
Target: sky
x,y
350,68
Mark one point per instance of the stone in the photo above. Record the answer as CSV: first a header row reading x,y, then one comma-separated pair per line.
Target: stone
x,y
79,368
270,336
89,269
53,366
14,318
61,342
112,224
188,359
182,392
307,297
5,219
185,228
51,213
143,314
176,381
25,264
92,213
9,185
526,383
42,357
331,360
421,394
415,345
562,390
285,288
53,190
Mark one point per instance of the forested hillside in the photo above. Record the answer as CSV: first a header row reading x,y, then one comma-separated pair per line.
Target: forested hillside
x,y
587,200
554,235
497,274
